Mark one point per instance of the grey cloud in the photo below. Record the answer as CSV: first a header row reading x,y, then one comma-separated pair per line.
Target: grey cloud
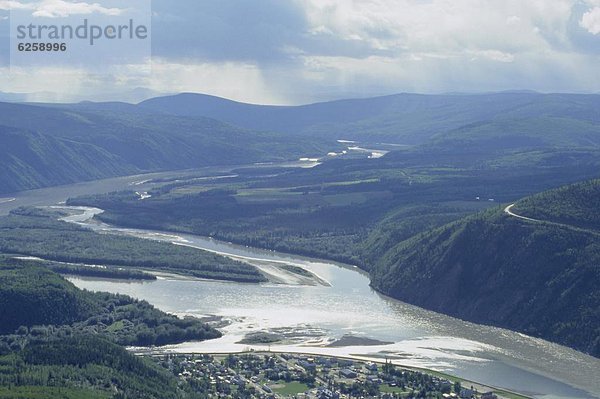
x,y
225,30
257,31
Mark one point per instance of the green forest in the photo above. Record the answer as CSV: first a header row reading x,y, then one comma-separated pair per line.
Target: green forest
x,y
36,232
426,221
534,277
406,225
61,342
33,297
573,205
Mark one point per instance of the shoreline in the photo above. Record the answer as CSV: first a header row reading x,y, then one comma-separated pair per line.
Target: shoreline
x,y
541,373
276,272
479,386
269,268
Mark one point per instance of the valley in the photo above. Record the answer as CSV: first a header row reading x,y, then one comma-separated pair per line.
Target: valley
x,y
325,247
412,344
321,199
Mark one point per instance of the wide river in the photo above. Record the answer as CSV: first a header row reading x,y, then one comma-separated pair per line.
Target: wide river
x,y
310,317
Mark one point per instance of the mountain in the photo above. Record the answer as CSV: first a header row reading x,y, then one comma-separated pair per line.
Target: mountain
x,y
131,96
536,270
12,97
401,118
50,145
31,160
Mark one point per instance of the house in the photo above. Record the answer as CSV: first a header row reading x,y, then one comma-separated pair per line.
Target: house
x,y
489,395
307,365
324,393
347,373
238,380
325,362
267,389
467,393
372,367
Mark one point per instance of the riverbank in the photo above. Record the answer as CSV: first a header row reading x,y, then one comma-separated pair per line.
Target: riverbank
x,y
275,272
335,370
421,338
318,315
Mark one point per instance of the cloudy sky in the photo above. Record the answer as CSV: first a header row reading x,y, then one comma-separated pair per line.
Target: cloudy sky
x,y
298,51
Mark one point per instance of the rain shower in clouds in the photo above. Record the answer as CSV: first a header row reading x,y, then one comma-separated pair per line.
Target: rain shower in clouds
x,y
278,51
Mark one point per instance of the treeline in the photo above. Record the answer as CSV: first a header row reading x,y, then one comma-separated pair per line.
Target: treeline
x,y
100,272
345,210
328,232
27,232
575,205
62,342
37,303
83,366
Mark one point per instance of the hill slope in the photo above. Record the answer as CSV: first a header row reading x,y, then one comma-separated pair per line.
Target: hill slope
x,y
33,296
401,118
539,278
44,146
574,205
31,160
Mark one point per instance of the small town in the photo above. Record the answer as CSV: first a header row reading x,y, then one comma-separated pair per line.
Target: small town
x,y
273,375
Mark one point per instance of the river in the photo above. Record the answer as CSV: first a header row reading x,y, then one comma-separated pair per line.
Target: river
x,y
311,317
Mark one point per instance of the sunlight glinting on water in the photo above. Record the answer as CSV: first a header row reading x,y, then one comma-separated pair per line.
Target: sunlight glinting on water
x,y
310,317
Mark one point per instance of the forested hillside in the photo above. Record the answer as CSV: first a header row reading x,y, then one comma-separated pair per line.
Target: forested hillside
x,y
82,367
58,341
574,205
492,268
36,232
35,296
401,118
30,160
39,303
45,146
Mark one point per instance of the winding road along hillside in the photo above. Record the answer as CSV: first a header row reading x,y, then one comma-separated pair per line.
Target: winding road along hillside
x,y
508,211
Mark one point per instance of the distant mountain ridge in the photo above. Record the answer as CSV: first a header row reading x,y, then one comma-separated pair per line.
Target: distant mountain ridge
x,y
403,118
44,145
51,144
539,278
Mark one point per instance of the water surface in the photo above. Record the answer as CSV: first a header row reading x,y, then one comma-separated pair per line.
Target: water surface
x,y
312,317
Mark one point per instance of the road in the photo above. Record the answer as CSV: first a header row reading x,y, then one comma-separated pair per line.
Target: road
x,y
508,211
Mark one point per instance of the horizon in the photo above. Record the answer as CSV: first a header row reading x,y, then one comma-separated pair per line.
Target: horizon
x,y
49,98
